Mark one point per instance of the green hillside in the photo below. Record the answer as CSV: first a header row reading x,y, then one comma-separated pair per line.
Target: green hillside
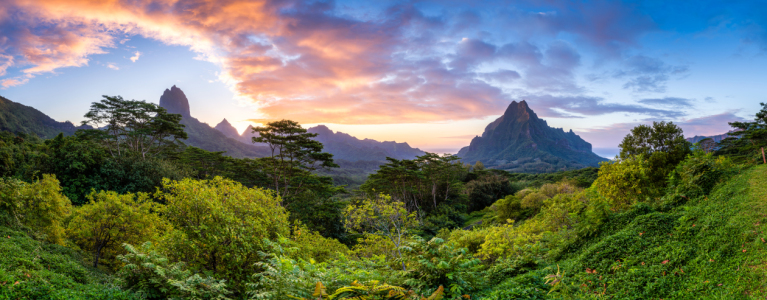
x,y
710,248
19,118
33,269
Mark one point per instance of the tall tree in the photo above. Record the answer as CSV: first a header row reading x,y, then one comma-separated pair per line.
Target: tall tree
x,y
422,183
130,126
749,138
294,155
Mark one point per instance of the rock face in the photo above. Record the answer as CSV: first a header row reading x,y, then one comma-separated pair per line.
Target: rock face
x,y
201,135
346,147
519,141
175,101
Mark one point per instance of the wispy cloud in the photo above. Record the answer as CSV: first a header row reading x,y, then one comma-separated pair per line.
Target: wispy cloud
x,y
113,66
135,56
668,102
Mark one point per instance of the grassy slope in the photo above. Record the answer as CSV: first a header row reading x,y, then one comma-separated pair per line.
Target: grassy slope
x,y
30,269
708,248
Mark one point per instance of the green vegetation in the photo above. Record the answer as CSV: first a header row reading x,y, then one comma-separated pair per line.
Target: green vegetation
x,y
80,219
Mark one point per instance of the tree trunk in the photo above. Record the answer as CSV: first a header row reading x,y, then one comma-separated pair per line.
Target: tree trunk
x,y
763,159
97,255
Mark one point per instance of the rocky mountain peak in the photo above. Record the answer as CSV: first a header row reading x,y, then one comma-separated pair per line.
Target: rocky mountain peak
x,y
227,129
175,101
519,135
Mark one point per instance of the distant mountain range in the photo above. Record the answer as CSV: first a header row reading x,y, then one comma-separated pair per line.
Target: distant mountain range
x,y
715,138
19,118
343,146
519,141
201,135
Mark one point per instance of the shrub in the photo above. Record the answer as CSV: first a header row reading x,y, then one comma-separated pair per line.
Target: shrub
x,y
315,246
697,175
151,276
436,263
219,226
486,189
625,182
34,269
39,206
110,219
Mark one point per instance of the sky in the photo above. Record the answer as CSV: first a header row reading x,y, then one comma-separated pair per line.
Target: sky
x,y
430,73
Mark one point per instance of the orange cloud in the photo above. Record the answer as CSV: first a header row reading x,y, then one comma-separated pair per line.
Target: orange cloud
x,y
292,59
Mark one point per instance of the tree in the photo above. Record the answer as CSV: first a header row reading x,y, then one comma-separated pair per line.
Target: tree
x,y
478,166
384,217
220,226
131,126
749,138
708,145
663,146
422,183
39,206
110,219
294,155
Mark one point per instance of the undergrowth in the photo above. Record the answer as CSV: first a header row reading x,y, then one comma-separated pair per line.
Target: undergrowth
x,y
711,247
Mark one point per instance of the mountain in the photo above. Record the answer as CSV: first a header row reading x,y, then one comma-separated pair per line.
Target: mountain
x,y
19,118
343,146
227,129
346,147
519,141
201,135
715,138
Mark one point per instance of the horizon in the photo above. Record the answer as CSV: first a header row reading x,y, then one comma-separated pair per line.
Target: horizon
x,y
425,73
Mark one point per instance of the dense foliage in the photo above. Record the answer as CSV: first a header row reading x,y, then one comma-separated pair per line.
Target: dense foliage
x,y
662,221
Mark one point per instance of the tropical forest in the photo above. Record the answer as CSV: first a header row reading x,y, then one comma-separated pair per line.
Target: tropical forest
x,y
383,150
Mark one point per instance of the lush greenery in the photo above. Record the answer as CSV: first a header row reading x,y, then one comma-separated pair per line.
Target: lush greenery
x,y
87,216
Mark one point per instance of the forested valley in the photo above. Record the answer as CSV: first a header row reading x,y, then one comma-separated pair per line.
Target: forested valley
x,y
125,210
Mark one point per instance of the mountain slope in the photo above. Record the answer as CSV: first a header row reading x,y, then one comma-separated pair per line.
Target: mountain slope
x,y
19,118
201,135
519,141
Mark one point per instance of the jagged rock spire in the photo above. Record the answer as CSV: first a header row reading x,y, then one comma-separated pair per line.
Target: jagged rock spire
x,y
175,101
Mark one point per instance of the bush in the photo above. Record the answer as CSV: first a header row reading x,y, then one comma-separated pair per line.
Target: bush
x,y
697,175
315,246
151,276
109,220
220,225
39,206
436,263
626,181
33,269
486,189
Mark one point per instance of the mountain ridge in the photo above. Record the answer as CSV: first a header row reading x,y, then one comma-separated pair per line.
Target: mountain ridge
x,y
19,118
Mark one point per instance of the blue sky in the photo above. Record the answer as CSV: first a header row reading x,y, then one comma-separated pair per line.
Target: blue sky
x,y
430,73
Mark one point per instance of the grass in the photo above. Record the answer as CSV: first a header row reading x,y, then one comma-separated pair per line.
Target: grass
x,y
708,248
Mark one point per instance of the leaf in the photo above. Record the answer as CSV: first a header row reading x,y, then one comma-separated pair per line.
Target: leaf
x,y
319,290
438,294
